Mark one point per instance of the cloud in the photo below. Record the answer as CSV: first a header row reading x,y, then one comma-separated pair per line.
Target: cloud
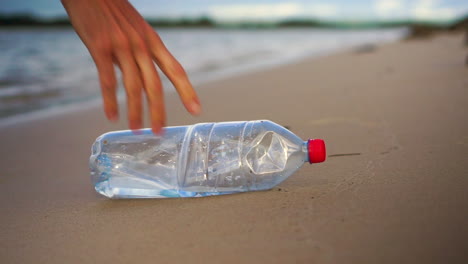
x,y
254,11
431,10
434,10
423,13
230,12
387,7
321,10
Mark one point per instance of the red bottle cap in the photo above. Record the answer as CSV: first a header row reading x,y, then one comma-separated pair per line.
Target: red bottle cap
x,y
316,149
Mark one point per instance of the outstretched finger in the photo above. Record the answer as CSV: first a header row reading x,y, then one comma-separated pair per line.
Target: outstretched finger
x,y
107,80
168,64
123,52
147,71
153,88
174,71
133,86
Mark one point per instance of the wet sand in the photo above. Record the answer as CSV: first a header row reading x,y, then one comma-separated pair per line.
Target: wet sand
x,y
393,190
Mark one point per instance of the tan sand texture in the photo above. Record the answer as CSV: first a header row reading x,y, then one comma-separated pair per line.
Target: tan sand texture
x,y
401,197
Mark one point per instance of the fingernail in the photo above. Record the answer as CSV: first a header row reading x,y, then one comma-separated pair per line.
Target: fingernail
x,y
113,117
158,127
158,131
135,125
195,108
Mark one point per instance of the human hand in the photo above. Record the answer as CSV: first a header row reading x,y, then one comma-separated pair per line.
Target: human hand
x,y
115,33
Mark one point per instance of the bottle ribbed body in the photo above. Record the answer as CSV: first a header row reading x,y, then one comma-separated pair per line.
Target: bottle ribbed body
x,y
199,160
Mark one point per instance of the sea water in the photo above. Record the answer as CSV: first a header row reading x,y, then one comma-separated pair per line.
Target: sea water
x,y
43,68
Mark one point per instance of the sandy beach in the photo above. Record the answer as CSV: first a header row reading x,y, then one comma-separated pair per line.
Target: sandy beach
x,y
400,195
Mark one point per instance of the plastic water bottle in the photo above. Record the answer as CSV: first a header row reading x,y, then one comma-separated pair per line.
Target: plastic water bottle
x,y
199,160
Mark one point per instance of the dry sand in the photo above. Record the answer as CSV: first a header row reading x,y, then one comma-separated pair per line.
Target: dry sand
x,y
402,199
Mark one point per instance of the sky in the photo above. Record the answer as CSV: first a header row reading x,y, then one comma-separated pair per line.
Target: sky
x,y
232,10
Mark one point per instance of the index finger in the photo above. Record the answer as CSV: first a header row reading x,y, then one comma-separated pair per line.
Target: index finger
x,y
173,70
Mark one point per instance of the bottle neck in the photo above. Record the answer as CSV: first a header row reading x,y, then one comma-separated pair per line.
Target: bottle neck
x,y
305,151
